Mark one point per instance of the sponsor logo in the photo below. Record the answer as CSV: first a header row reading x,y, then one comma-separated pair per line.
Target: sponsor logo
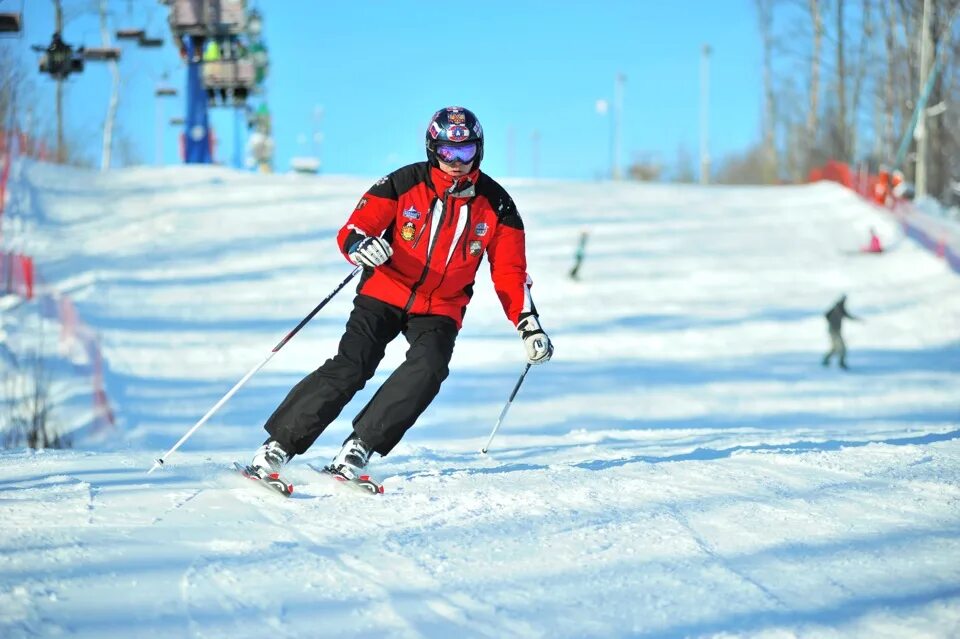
x,y
435,130
456,117
382,180
411,214
481,229
457,133
475,247
407,231
362,203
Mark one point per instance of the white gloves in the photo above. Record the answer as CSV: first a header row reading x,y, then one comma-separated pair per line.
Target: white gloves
x,y
539,348
371,252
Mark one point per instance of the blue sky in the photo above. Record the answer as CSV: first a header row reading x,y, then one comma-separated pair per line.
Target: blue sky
x,y
379,69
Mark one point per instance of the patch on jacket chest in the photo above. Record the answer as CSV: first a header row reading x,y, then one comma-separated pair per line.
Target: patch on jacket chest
x,y
475,247
481,229
411,214
407,231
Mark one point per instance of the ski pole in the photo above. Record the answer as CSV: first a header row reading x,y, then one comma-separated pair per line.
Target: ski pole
x,y
506,407
223,400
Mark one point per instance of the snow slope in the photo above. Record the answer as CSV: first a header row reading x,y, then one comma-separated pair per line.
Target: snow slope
x,y
683,468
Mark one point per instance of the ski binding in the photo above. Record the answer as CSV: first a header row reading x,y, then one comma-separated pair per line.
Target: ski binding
x,y
271,481
363,483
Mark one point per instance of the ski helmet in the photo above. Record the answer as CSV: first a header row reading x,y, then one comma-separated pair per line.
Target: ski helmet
x,y
456,126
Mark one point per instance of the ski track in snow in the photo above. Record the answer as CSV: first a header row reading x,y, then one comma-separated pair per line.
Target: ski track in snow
x,y
684,468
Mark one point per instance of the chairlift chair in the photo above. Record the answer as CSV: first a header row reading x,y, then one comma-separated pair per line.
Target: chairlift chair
x,y
130,34
60,68
166,92
148,42
177,121
207,18
236,76
59,59
11,23
100,54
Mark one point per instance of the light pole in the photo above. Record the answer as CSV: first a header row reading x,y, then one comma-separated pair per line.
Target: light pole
x,y
704,115
61,154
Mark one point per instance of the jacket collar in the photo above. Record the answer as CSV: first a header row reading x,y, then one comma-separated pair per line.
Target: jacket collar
x,y
465,186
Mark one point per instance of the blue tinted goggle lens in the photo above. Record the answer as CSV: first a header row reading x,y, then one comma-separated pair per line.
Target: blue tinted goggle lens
x,y
449,153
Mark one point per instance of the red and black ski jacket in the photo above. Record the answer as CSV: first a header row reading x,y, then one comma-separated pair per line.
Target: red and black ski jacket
x,y
439,229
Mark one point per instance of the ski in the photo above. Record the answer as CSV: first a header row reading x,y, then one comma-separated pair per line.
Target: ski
x,y
271,482
364,483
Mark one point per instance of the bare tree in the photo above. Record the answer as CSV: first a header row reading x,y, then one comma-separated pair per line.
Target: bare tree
x,y
889,81
28,407
813,95
841,132
863,63
769,126
114,92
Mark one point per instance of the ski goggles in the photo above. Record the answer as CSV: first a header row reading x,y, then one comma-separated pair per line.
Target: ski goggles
x,y
450,153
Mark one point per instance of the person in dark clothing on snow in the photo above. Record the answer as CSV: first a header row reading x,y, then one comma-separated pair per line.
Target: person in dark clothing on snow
x,y
835,317
420,234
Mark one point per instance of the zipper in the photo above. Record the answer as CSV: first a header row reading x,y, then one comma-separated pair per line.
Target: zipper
x,y
448,197
426,265
426,222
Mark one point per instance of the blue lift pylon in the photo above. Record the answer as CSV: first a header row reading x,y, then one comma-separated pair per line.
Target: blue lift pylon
x,y
196,135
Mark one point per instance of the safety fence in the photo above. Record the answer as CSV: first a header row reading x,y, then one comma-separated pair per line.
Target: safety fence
x,y
938,235
79,344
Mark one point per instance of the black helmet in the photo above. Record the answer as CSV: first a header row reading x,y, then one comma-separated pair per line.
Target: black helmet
x,y
454,125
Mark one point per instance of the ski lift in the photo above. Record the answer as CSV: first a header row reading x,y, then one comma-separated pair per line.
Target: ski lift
x,y
130,34
177,121
59,59
100,54
10,23
235,76
164,91
207,18
148,42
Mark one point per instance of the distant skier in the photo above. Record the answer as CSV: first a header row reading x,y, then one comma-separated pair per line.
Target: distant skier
x,y
420,234
835,317
579,255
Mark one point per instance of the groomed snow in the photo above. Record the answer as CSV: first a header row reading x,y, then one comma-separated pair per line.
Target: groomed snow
x,y
683,468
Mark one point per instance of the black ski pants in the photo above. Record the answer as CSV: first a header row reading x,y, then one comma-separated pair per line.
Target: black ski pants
x,y
318,398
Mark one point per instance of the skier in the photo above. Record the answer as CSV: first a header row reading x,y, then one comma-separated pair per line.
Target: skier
x,y
835,317
578,256
419,233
